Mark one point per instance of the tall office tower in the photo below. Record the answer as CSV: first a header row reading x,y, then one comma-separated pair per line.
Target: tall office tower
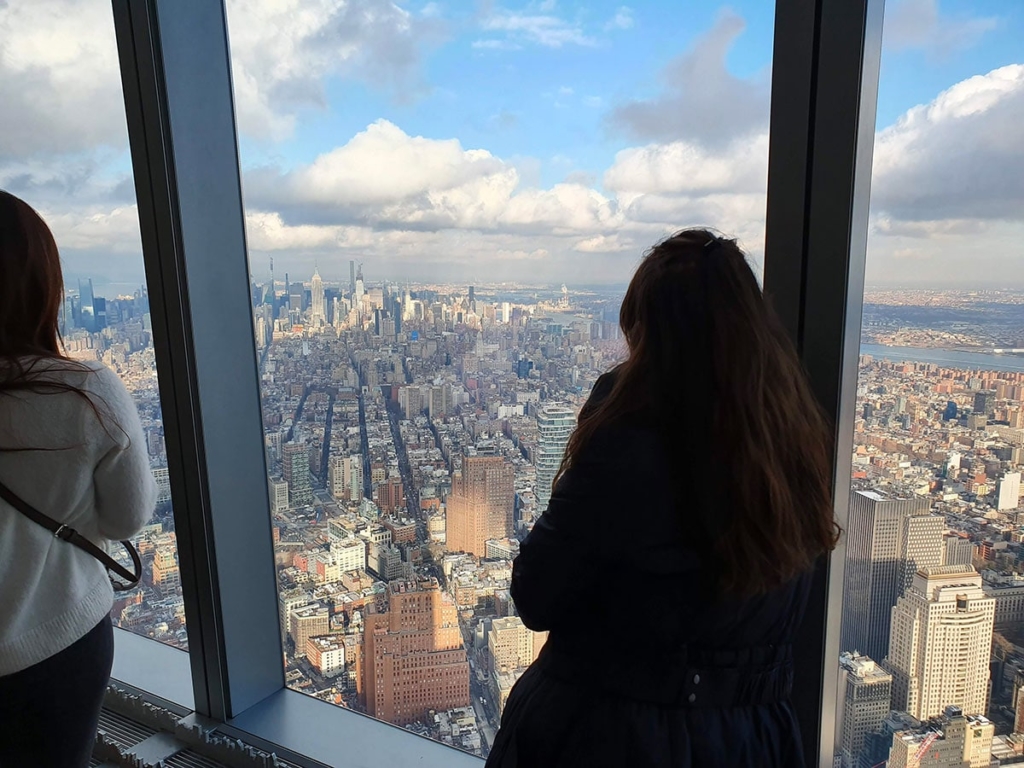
x,y
481,504
352,277
396,313
353,477
318,310
286,299
923,545
949,741
86,306
295,467
271,296
472,299
1009,491
940,643
296,294
555,424
414,658
959,551
867,692
879,541
99,306
360,287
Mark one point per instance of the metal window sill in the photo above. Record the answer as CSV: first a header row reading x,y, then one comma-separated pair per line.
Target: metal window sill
x,y
153,668
287,722
339,737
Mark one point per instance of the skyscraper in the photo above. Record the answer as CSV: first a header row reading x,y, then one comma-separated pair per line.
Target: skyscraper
x,y
296,294
86,305
295,468
359,287
352,277
272,294
885,546
867,693
940,643
555,424
481,504
318,312
415,661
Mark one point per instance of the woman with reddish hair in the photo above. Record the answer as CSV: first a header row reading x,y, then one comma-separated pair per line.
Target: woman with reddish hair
x,y
71,448
671,567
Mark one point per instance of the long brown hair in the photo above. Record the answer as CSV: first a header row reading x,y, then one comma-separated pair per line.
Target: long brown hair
x,y
711,366
31,299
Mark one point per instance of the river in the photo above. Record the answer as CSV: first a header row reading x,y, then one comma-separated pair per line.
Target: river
x,y
947,358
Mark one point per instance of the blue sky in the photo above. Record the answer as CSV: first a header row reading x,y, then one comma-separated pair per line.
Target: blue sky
x,y
546,140
515,102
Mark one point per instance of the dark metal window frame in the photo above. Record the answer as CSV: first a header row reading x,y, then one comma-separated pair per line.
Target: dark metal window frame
x,y
176,74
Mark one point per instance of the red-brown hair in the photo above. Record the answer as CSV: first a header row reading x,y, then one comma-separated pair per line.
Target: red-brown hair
x,y
709,359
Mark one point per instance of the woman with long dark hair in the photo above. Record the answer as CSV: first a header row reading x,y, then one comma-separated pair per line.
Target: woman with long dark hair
x,y
671,567
71,447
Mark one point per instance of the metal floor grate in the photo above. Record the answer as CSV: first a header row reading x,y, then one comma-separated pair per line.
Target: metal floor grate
x,y
190,759
121,731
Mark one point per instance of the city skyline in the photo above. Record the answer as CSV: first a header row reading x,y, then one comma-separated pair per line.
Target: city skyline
x,y
611,126
382,424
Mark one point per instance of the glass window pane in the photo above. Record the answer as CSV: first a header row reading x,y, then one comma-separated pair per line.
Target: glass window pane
x,y
444,206
64,149
931,666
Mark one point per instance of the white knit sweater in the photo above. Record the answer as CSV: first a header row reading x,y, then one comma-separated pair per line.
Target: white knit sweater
x,y
98,482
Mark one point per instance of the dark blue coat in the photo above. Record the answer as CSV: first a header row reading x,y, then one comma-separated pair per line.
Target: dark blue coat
x,y
645,666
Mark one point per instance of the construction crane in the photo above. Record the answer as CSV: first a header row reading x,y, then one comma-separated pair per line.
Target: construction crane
x,y
925,744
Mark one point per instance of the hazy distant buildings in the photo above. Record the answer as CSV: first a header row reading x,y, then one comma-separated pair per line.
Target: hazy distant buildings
x,y
414,658
888,539
555,424
481,504
940,644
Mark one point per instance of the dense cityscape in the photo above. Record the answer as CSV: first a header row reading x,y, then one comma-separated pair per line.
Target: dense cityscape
x,y
412,434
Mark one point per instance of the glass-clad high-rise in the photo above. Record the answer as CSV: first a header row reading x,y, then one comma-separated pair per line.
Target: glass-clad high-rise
x,y
555,424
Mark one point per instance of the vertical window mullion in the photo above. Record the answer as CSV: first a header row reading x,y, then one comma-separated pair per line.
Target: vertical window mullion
x,y
824,92
177,85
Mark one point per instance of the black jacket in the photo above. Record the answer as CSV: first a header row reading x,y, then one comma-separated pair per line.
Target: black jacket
x,y
644,665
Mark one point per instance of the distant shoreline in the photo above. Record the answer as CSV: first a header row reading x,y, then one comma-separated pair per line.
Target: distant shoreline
x,y
986,360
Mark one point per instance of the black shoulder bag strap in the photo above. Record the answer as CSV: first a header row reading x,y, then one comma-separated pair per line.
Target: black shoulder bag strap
x,y
71,536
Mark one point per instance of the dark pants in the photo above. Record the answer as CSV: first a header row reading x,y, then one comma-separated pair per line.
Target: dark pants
x,y
49,712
